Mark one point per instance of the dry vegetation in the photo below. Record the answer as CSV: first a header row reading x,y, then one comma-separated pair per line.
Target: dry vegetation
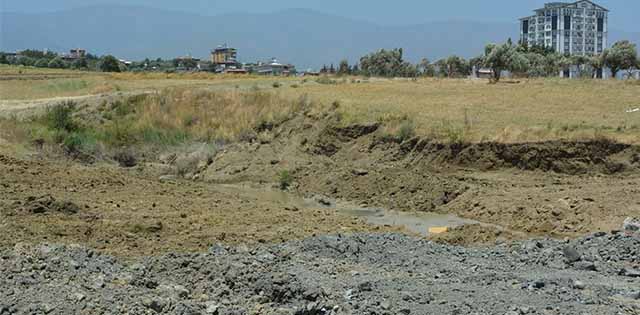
x,y
472,110
445,109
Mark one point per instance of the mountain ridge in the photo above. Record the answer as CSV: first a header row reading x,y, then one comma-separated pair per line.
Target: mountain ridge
x,y
304,37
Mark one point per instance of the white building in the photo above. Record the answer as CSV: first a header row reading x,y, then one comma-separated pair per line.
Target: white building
x,y
576,28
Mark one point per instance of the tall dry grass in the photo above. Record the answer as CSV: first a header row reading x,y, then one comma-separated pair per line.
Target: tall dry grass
x,y
211,115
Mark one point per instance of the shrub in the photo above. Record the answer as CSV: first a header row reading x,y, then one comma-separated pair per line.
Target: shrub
x,y
276,84
60,117
406,130
285,180
326,80
125,158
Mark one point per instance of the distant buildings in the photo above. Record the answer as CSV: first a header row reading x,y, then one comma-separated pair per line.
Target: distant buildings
x,y
224,58
272,68
75,54
576,28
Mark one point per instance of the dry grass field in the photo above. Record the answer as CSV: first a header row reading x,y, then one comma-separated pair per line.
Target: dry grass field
x,y
474,110
448,110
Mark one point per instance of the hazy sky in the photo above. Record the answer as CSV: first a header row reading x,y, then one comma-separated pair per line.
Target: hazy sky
x,y
624,13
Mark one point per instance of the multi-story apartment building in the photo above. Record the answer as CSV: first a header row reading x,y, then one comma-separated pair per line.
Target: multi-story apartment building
x,y
576,28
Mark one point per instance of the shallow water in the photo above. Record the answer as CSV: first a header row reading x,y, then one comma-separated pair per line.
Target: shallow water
x,y
415,222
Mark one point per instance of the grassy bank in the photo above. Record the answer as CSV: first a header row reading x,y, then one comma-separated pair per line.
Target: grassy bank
x,y
158,121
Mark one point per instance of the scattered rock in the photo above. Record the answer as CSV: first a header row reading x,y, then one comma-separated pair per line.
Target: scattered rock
x,y
360,172
579,285
631,225
571,254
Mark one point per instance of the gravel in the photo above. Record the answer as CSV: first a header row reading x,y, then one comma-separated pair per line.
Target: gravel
x,y
348,274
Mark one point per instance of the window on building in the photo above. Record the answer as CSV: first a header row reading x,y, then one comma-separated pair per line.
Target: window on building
x,y
554,23
567,22
525,26
600,25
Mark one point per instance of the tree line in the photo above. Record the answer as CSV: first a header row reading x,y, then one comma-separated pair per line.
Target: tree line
x,y
45,59
519,59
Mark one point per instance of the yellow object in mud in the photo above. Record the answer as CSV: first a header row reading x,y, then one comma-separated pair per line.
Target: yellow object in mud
x,y
438,230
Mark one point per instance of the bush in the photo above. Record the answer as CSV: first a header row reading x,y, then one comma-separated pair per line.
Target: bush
x,y
109,64
285,180
125,158
60,117
276,84
326,80
406,131
57,63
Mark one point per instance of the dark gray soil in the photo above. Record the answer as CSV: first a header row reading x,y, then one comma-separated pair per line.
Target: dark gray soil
x,y
356,274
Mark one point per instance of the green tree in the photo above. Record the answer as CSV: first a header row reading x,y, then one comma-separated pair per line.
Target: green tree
x,y
387,63
57,63
426,68
26,61
456,66
3,59
42,63
504,57
622,55
343,68
80,63
109,64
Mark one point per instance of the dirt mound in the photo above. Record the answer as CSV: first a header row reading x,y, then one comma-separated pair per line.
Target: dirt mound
x,y
47,204
330,139
599,156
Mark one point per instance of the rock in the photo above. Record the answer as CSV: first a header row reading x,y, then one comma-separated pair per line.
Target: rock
x,y
211,308
360,172
385,305
631,225
324,201
571,254
579,285
630,273
365,287
155,304
168,178
585,265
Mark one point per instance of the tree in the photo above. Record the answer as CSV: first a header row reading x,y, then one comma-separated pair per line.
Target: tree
x,y
456,66
476,62
57,63
387,63
42,63
109,64
3,59
426,68
26,61
343,68
355,70
504,57
80,63
621,56
332,69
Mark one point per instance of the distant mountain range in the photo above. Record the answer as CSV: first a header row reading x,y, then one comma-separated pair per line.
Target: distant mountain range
x,y
303,37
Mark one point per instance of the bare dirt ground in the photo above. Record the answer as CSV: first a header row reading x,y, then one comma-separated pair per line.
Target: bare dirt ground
x,y
545,189
127,212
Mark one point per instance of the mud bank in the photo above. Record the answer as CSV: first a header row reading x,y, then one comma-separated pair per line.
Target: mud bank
x,y
558,188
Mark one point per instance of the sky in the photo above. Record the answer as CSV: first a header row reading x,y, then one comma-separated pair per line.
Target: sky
x,y
624,13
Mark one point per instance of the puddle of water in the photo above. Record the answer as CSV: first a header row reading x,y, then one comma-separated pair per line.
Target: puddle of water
x,y
415,222
419,223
